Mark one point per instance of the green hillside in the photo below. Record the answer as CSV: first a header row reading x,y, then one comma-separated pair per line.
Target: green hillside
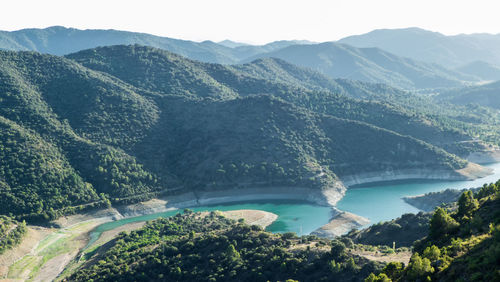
x,y
209,247
11,233
116,139
487,95
462,244
382,105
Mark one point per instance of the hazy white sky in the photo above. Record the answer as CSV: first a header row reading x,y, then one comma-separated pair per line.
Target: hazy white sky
x,y
256,21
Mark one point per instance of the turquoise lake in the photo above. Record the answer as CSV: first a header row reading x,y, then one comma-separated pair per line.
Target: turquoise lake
x,y
299,217
382,201
377,202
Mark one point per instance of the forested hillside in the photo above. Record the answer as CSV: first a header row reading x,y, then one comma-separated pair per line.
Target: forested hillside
x,y
11,233
462,243
142,129
487,95
209,247
381,105
402,67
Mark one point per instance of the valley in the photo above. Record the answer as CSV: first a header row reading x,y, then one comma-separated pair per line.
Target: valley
x,y
61,248
126,155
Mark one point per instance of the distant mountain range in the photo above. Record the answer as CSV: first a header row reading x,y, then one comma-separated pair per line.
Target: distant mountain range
x,y
369,64
433,47
58,40
405,70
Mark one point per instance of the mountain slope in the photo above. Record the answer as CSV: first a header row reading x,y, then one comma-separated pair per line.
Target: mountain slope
x,y
389,108
462,242
487,95
210,247
481,69
121,143
59,40
432,47
368,64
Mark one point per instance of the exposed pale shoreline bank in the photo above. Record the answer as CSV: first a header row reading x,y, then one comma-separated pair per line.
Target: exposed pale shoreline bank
x,y
341,223
470,172
328,197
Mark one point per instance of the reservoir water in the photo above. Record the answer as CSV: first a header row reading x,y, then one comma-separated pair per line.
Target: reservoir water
x,y
382,201
377,202
299,217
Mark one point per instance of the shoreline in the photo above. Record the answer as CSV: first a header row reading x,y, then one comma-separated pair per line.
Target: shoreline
x,y
328,197
470,172
340,222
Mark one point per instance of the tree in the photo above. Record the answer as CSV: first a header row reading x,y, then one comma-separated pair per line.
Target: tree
x,y
231,253
432,253
334,266
441,224
338,249
377,278
419,267
393,269
467,204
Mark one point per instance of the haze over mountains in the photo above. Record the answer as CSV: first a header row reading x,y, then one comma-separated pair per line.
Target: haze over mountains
x,y
369,64
432,47
422,69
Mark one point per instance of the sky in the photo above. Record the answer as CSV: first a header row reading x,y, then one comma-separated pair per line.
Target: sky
x,y
256,21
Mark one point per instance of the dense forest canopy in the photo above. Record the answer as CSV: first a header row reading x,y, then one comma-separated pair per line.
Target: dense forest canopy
x,y
122,124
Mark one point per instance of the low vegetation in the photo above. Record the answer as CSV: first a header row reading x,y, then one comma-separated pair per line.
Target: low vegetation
x,y
192,247
462,244
11,233
401,232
